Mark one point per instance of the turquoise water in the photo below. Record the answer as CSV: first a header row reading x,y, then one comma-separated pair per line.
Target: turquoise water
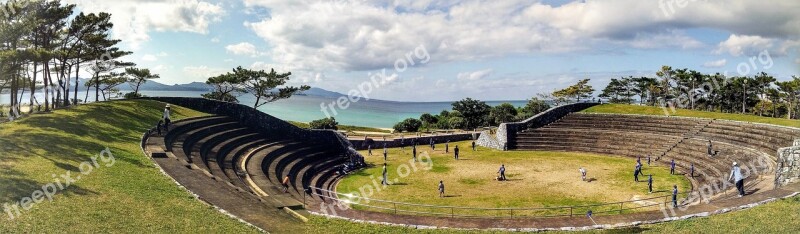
x,y
368,113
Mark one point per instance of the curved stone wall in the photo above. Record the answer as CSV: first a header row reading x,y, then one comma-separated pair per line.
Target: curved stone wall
x,y
507,132
258,120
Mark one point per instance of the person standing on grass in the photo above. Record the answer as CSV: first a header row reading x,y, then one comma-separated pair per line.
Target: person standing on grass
x,y
455,150
441,189
636,171
369,150
385,153
433,144
447,147
736,176
385,180
650,183
675,196
474,148
166,117
502,172
285,184
648,160
583,173
414,152
672,167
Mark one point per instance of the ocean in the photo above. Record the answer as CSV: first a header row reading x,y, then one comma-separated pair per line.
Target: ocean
x,y
368,113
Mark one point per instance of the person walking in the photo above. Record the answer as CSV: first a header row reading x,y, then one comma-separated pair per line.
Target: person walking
x,y
736,176
166,117
285,184
455,150
672,167
385,180
385,153
414,152
441,189
650,183
674,196
583,173
502,172
648,160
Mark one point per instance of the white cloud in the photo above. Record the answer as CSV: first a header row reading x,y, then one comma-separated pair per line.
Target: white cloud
x,y
716,63
473,76
133,20
203,72
149,58
359,35
797,61
243,48
738,45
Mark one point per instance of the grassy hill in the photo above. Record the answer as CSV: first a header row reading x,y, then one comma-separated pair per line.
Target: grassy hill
x,y
129,194
651,110
126,194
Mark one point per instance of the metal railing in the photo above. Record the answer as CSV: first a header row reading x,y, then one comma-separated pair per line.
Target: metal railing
x,y
394,207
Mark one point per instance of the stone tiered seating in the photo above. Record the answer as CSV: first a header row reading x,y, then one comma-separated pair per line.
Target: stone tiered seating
x,y
764,138
232,152
666,138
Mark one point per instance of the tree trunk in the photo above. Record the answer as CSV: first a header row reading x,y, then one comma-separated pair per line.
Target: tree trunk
x,y
33,83
77,81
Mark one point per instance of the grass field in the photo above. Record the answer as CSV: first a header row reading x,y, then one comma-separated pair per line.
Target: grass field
x,y
127,194
651,110
535,179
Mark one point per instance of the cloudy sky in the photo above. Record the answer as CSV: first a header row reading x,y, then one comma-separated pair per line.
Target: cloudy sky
x,y
448,50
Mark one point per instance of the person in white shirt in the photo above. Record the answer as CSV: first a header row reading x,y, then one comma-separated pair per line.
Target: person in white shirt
x,y
736,176
583,173
166,118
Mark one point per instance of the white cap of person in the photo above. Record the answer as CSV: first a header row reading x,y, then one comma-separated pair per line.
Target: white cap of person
x,y
734,164
167,106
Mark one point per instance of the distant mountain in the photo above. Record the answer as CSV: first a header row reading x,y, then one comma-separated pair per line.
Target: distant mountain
x,y
318,92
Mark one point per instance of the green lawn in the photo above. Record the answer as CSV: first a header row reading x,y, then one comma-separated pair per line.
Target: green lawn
x,y
650,110
126,194
535,179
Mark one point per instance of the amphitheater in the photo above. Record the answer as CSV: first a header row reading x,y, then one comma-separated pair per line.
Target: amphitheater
x,y
235,159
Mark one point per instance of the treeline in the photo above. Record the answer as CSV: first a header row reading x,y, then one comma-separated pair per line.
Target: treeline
x,y
760,94
45,45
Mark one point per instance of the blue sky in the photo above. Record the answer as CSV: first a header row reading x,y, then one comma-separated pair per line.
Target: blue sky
x,y
491,50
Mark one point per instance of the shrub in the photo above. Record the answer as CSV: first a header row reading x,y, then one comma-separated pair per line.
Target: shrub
x,y
326,123
133,95
408,125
